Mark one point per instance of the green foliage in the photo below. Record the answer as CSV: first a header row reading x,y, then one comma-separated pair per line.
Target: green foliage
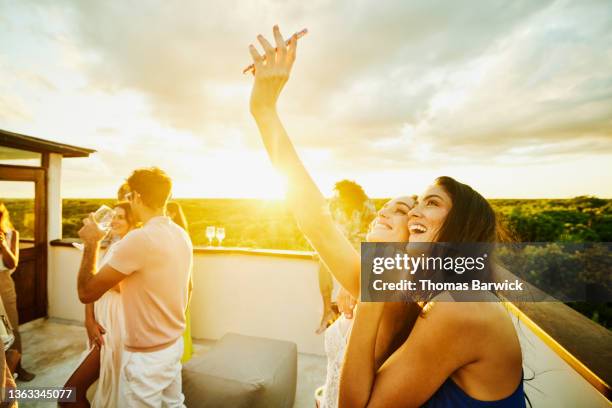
x,y
269,224
580,219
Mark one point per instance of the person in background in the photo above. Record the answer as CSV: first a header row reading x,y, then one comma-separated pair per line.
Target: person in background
x,y
352,211
9,246
176,214
104,322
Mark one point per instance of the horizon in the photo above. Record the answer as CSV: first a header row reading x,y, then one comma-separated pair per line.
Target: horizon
x,y
326,197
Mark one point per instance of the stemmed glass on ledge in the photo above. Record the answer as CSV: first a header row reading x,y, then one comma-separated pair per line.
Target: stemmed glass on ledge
x,y
220,235
103,217
210,234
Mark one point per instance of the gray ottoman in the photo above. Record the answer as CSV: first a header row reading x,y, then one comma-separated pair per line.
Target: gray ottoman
x,y
242,371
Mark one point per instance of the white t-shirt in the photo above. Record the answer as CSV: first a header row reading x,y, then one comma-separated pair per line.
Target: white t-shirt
x,y
158,260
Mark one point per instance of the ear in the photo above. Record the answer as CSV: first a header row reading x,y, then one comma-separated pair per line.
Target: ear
x,y
137,198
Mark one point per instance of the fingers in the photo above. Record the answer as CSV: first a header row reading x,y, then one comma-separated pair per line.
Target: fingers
x,y
280,43
292,50
90,218
269,50
257,59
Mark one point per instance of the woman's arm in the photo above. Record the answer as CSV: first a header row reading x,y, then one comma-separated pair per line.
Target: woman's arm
x,y
95,332
441,342
359,366
10,250
306,202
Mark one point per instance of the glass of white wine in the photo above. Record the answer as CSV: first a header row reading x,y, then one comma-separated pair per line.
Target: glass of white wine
x,y
103,217
220,235
210,234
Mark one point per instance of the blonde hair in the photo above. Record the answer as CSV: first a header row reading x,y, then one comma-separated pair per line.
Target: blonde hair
x,y
5,219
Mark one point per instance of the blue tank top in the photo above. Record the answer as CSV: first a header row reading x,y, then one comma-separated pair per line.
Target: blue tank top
x,y
449,395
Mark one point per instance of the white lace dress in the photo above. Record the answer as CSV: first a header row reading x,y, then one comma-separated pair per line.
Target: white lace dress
x,y
109,314
336,338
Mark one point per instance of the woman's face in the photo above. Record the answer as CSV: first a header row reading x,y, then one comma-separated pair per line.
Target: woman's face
x,y
119,224
391,222
428,216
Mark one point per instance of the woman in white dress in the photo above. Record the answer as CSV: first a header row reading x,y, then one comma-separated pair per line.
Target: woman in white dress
x,y
390,225
105,330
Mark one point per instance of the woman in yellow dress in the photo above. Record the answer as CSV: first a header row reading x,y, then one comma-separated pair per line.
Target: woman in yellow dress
x,y
176,214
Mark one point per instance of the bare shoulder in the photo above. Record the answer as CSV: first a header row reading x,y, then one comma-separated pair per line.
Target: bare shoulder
x,y
470,319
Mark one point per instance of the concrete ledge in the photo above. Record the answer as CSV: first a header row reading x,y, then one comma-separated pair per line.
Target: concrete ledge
x,y
308,255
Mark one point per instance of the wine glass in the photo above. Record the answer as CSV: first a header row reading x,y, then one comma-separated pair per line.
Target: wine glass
x,y
103,217
220,235
210,234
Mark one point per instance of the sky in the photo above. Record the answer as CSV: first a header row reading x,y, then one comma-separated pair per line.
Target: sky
x,y
513,98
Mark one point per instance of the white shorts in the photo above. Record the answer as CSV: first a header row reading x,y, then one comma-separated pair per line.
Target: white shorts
x,y
152,379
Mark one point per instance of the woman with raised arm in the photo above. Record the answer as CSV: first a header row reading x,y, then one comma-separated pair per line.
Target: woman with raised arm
x,y
308,205
457,354
390,225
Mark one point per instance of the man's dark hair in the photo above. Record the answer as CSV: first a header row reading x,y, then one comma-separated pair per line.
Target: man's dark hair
x,y
122,192
351,197
152,184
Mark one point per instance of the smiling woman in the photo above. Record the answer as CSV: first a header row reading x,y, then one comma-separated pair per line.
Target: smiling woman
x,y
482,361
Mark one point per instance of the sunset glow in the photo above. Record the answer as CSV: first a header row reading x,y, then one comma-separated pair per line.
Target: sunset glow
x,y
517,107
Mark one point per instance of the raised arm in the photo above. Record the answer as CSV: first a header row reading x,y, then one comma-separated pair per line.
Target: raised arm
x,y
306,202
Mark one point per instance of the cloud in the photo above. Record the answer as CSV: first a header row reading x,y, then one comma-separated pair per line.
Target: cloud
x,y
377,85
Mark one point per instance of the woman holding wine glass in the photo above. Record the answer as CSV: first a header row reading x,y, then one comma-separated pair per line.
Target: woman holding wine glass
x,y
105,331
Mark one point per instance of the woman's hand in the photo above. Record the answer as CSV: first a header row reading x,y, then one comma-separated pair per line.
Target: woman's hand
x,y
3,241
271,73
95,332
346,303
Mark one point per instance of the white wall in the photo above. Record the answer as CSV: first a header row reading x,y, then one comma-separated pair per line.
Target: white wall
x,y
278,298
61,281
54,211
54,197
259,296
266,296
556,384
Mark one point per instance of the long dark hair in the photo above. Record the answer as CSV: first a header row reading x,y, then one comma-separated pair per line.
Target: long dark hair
x,y
129,215
471,217
471,229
